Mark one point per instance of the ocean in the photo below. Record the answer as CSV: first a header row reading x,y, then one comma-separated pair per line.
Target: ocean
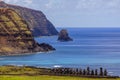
x,y
93,47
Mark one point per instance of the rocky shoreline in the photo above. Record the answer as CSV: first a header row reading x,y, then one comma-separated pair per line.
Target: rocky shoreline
x,y
25,54
46,48
16,37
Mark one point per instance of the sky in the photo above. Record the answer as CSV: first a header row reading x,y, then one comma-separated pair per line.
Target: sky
x,y
76,13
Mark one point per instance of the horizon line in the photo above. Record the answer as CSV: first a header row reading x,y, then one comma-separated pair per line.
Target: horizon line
x,y
87,27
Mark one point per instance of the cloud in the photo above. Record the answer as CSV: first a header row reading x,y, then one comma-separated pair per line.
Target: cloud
x,y
98,4
73,4
54,4
83,5
27,2
72,12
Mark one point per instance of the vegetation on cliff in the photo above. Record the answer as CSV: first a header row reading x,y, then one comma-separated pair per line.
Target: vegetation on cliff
x,y
37,21
15,35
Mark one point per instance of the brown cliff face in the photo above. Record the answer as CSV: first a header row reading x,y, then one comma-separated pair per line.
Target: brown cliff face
x,y
37,21
15,35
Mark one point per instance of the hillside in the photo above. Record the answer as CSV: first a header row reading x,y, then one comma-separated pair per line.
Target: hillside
x,y
15,35
37,21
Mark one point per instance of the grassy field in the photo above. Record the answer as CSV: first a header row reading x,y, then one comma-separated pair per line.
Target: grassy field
x,y
47,78
24,73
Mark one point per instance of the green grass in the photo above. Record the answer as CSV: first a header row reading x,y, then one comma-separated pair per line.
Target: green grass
x,y
47,78
22,73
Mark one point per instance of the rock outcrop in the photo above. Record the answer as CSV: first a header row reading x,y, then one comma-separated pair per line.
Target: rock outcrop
x,y
37,21
15,35
63,36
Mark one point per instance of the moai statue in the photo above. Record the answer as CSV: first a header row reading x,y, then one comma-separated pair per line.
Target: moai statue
x,y
101,71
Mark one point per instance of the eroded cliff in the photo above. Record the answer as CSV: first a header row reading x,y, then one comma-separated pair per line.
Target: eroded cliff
x,y
37,21
15,35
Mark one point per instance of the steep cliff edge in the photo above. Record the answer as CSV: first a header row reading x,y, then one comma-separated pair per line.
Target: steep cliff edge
x,y
37,21
15,35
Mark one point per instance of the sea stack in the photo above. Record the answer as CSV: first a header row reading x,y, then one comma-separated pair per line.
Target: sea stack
x,y
64,36
15,35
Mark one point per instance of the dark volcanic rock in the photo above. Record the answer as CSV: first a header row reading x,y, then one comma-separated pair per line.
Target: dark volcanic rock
x,y
15,35
46,47
37,21
63,36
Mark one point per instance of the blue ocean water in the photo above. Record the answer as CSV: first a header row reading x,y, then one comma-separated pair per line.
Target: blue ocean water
x,y
94,47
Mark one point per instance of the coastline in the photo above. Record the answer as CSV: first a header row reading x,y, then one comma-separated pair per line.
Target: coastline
x,y
26,54
46,36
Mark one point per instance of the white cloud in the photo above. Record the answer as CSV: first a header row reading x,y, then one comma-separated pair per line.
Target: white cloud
x,y
72,12
54,4
98,4
19,1
78,4
28,1
114,3
82,4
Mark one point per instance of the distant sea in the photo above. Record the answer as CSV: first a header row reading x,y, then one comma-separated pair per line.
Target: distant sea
x,y
94,47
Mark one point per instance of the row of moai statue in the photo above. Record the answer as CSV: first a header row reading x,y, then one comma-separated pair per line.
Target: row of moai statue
x,y
79,72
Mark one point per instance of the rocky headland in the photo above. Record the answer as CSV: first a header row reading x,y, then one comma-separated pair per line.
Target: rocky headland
x,y
15,35
36,20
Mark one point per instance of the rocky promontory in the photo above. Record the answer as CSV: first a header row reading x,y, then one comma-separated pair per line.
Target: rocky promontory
x,y
15,35
37,21
63,36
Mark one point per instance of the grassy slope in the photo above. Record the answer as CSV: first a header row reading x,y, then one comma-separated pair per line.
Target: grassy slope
x,y
14,32
21,71
46,78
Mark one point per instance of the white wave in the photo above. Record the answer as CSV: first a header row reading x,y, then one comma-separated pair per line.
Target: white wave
x,y
110,72
57,66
